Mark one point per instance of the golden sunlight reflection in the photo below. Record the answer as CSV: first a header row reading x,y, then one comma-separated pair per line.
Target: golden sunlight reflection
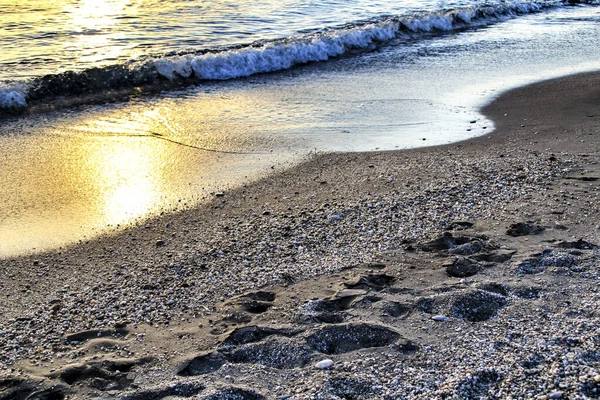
x,y
86,174
96,14
124,174
80,180
93,21
129,163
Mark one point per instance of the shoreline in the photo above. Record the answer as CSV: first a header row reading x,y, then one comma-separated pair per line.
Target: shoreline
x,y
341,240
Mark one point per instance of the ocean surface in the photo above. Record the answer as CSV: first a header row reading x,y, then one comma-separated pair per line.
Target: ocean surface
x,y
114,111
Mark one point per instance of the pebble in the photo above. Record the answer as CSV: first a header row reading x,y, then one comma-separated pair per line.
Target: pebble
x,y
324,364
556,395
597,378
440,318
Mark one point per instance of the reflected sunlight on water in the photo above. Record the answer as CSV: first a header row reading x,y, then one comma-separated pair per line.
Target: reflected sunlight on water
x,y
124,177
82,175
96,14
94,39
65,188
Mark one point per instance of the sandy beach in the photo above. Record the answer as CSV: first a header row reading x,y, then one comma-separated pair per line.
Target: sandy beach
x,y
463,271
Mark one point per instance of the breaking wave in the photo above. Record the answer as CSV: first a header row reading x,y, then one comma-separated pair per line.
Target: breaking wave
x,y
261,57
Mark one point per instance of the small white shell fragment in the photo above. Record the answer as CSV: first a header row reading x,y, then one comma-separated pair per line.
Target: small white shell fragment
x,y
324,364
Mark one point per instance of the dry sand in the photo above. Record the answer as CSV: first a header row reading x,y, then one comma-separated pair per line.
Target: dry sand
x,y
464,271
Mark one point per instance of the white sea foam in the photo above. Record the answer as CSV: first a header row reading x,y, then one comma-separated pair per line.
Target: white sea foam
x,y
12,96
276,56
284,54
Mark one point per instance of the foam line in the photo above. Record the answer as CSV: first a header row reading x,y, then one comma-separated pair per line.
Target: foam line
x,y
265,57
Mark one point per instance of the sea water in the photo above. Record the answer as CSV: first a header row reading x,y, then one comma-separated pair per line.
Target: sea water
x,y
113,111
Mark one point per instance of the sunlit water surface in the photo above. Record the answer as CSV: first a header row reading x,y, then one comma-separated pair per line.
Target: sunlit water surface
x,y
40,37
74,174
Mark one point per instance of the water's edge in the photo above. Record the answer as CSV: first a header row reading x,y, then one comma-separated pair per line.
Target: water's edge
x,y
172,71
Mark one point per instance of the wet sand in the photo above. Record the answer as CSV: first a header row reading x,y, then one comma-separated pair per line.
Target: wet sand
x,y
461,271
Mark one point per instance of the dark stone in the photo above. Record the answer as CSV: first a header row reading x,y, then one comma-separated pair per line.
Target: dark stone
x,y
524,229
583,178
376,265
460,245
107,374
374,282
466,249
579,244
444,242
462,268
12,388
497,257
397,310
53,393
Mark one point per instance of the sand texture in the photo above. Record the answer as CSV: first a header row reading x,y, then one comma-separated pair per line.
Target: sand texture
x,y
468,271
